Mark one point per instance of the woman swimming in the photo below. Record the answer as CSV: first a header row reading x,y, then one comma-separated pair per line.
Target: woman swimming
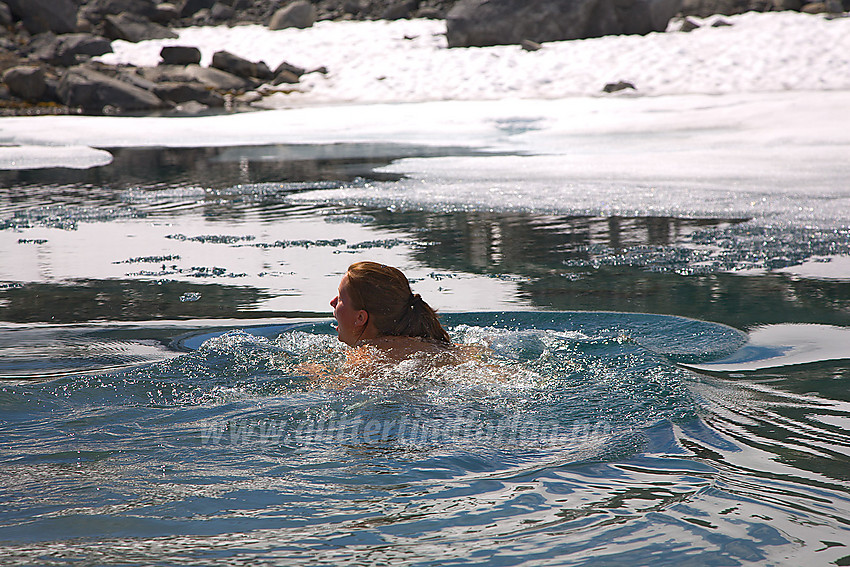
x,y
375,306
394,334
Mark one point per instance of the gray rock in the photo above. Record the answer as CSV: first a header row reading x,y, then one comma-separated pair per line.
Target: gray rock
x,y
529,45
216,78
400,10
65,50
235,65
191,107
501,22
299,14
191,7
38,16
26,82
166,73
618,86
220,12
101,8
180,55
186,92
5,15
289,68
96,92
498,22
431,14
689,25
352,7
165,13
133,28
285,77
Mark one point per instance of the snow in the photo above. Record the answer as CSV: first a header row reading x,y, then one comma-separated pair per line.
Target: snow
x,y
749,120
373,61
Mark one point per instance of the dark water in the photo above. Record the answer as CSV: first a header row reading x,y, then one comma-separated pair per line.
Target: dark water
x,y
643,401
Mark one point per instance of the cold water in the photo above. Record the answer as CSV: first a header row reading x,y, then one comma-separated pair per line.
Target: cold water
x,y
662,390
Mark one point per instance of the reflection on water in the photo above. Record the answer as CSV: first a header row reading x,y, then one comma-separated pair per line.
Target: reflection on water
x,y
588,443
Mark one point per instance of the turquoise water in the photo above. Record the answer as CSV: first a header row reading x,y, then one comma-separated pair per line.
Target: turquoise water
x,y
641,402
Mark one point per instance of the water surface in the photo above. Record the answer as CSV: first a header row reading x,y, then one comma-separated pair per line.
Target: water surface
x,y
665,389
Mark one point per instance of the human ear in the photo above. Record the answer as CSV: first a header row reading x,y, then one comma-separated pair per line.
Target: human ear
x,y
362,317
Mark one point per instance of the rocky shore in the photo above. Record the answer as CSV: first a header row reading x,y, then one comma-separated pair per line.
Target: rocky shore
x,y
47,46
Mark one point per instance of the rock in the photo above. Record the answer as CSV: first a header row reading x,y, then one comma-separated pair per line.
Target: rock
x,y
26,82
191,107
784,5
814,8
220,12
65,50
285,77
500,22
300,14
400,10
289,68
163,73
720,23
180,55
618,86
133,28
529,45
353,7
689,25
431,14
186,92
249,98
191,7
235,65
216,78
96,92
38,16
165,13
5,15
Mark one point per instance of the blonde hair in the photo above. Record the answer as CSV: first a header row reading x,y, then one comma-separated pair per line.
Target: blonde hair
x,y
384,293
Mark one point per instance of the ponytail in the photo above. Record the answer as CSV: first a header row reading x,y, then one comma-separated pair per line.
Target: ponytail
x,y
384,293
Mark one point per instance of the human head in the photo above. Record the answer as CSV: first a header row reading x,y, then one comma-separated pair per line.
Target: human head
x,y
380,303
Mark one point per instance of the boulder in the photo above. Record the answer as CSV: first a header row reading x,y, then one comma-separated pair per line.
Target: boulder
x,y
186,92
64,50
216,78
26,82
165,13
191,7
618,86
165,73
38,16
99,8
6,18
133,28
289,68
180,55
94,91
221,12
299,14
235,65
400,10
502,22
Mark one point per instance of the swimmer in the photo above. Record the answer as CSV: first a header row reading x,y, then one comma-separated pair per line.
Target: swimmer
x,y
375,306
393,333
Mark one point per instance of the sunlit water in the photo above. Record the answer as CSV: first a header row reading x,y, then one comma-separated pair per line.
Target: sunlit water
x,y
154,409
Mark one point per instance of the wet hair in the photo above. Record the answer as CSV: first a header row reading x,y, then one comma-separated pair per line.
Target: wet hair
x,y
384,293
